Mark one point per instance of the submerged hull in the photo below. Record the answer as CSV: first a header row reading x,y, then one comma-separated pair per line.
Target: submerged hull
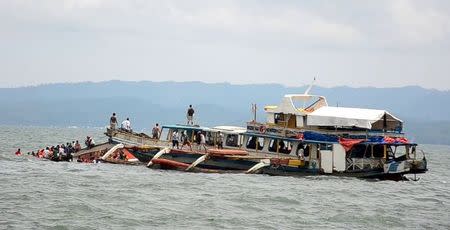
x,y
180,160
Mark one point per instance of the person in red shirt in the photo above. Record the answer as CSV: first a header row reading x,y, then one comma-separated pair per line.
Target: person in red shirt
x,y
18,153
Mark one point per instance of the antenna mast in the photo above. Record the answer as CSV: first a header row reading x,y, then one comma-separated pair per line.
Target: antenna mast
x,y
254,108
310,86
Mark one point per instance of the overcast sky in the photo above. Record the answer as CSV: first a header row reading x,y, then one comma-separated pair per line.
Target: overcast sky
x,y
355,43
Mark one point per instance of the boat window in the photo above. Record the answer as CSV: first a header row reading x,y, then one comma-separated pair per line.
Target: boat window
x,y
260,143
302,150
210,139
326,147
232,140
273,145
165,134
285,147
412,152
390,153
251,143
399,151
279,118
358,151
378,151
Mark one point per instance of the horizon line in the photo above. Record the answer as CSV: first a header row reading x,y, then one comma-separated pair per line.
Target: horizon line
x,y
214,83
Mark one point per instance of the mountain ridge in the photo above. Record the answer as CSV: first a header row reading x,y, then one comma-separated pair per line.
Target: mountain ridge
x,y
147,102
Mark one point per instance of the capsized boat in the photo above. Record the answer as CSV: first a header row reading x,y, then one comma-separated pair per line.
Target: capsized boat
x,y
301,136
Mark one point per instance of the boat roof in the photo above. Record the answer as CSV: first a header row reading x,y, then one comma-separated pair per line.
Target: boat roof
x,y
229,129
187,127
288,104
347,117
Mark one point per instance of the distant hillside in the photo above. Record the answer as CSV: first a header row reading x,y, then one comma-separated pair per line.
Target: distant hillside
x,y
90,104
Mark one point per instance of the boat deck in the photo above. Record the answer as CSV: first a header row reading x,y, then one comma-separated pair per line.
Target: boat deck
x,y
96,148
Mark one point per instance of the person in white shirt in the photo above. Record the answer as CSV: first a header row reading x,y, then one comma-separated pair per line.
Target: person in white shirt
x,y
220,140
202,142
175,139
126,125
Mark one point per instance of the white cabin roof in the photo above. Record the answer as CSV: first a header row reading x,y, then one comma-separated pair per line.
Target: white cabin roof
x,y
229,129
347,117
288,102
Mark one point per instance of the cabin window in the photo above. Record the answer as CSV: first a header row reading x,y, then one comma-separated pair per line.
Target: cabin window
x,y
280,146
165,133
273,145
378,151
209,139
302,150
358,151
232,140
284,147
326,147
399,151
260,143
278,118
251,143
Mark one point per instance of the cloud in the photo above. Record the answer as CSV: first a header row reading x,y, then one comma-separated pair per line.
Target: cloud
x,y
262,21
419,25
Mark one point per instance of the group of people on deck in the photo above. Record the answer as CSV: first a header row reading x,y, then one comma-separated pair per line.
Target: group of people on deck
x,y
177,137
125,125
199,138
156,130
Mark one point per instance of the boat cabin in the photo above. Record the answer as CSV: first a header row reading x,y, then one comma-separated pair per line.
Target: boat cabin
x,y
231,134
303,111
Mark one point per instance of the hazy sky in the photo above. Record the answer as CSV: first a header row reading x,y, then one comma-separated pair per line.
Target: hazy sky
x,y
356,43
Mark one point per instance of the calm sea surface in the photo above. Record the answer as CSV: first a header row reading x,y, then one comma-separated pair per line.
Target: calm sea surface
x,y
40,194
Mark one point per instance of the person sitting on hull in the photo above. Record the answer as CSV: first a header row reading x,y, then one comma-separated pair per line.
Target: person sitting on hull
x,y
89,142
126,125
77,146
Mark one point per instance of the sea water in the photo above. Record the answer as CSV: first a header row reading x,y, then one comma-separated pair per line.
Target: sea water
x,y
41,194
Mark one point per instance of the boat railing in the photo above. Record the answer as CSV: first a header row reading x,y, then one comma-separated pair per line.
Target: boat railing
x,y
364,163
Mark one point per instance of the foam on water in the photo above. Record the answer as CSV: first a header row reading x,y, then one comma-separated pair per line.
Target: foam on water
x,y
41,194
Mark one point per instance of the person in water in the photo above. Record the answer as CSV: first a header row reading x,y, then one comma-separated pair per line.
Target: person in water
x,y
113,121
190,115
18,153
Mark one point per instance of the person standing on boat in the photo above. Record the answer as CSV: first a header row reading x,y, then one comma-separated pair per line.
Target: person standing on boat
x,y
185,141
126,125
220,140
202,141
175,139
190,115
156,131
113,121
